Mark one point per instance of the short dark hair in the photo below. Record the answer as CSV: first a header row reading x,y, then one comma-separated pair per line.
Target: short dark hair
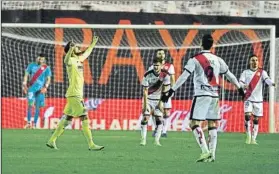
x,y
67,47
207,41
42,55
157,60
160,49
253,55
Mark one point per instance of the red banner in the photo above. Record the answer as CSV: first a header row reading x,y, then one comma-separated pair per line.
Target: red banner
x,y
124,114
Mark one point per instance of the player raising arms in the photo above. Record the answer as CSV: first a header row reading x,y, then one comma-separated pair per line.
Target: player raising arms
x,y
206,68
36,88
75,106
167,106
252,80
154,82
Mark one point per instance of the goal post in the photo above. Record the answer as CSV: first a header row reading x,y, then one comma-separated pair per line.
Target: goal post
x,y
119,84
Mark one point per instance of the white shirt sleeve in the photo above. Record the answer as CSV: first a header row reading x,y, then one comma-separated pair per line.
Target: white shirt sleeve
x,y
223,66
171,70
166,80
242,80
145,82
190,66
266,78
188,69
232,78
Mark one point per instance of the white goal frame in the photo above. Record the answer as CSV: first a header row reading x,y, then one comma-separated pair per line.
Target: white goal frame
x,y
271,28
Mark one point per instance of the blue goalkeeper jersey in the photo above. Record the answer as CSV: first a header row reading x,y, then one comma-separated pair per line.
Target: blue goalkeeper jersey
x,y
31,69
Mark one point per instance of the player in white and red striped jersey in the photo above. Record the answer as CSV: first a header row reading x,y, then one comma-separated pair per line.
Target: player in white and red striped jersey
x,y
252,80
155,82
168,105
206,68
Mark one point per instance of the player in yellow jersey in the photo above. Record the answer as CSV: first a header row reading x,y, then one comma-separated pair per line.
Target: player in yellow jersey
x,y
75,107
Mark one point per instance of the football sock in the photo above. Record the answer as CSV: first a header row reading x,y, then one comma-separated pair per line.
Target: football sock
x,y
199,135
36,116
159,130
154,123
59,130
144,129
247,126
255,129
166,125
87,132
29,114
212,140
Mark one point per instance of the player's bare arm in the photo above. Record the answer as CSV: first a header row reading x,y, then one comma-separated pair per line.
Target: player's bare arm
x,y
172,79
44,89
69,53
233,80
89,49
24,83
145,93
164,90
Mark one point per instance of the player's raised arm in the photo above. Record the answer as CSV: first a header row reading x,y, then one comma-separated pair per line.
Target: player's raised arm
x,y
69,49
89,49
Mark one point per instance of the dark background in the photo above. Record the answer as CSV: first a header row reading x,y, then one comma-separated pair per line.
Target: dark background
x,y
123,81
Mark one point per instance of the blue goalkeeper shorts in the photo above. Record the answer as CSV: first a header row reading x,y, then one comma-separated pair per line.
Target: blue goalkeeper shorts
x,y
36,97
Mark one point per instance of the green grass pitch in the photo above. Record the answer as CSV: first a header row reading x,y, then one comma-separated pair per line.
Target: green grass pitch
x,y
25,152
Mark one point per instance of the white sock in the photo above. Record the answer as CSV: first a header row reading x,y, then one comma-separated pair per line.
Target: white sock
x,y
248,128
199,135
255,131
166,125
143,131
212,141
154,123
159,131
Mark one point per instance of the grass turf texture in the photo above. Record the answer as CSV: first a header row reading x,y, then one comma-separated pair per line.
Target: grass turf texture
x,y
25,152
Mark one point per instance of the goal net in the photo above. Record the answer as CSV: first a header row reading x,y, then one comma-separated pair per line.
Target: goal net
x,y
114,71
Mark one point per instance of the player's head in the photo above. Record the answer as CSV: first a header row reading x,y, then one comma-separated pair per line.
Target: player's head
x,y
161,54
41,59
157,64
207,41
253,61
76,51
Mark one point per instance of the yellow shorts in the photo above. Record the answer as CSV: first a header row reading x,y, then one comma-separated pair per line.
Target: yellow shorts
x,y
75,107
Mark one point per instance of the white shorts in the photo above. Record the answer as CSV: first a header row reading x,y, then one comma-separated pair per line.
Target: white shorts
x,y
168,104
256,108
205,108
152,108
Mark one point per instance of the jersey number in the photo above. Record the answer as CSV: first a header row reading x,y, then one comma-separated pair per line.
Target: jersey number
x,y
209,73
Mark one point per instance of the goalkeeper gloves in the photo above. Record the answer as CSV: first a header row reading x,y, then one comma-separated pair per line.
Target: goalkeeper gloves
x,y
241,92
166,95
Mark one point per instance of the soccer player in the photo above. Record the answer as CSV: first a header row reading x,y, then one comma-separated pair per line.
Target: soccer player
x,y
168,66
154,82
39,75
252,80
206,68
75,106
